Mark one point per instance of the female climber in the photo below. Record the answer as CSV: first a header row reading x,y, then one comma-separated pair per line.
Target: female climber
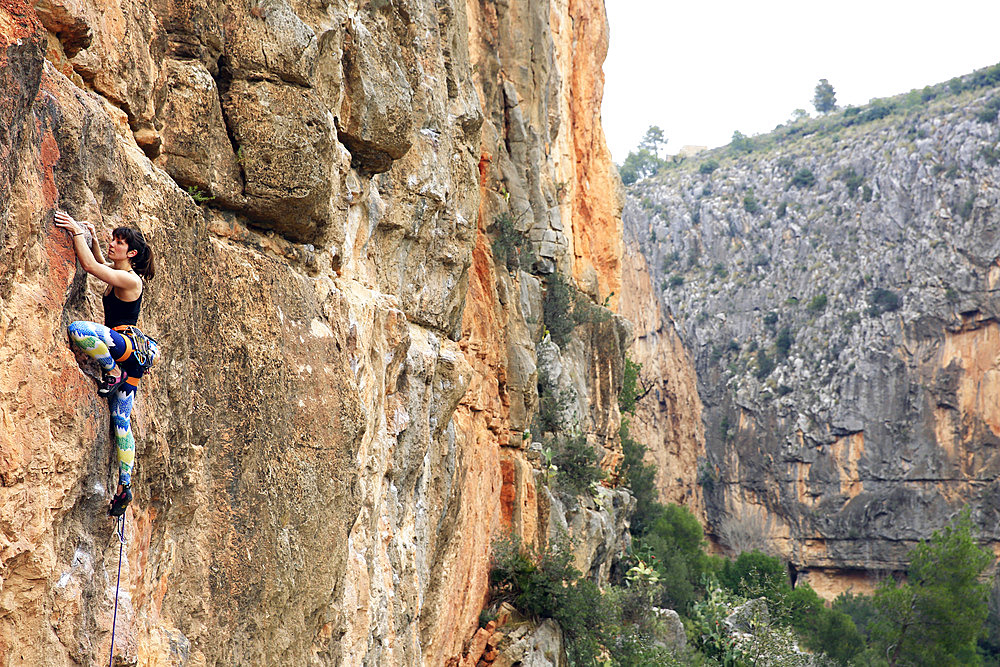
x,y
122,351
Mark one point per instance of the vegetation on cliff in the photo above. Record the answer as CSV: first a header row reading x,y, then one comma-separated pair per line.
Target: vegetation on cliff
x,y
745,610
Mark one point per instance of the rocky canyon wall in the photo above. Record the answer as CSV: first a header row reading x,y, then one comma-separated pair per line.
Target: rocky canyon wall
x,y
340,421
837,288
668,418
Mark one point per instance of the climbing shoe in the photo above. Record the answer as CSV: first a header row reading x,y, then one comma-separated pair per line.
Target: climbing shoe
x,y
109,384
120,502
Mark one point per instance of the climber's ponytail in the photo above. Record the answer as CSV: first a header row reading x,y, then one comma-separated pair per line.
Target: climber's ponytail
x,y
142,263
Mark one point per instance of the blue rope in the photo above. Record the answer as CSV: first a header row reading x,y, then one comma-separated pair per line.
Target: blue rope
x,y
121,548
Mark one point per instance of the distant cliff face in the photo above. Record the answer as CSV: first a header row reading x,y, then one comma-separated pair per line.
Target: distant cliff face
x,y
837,289
334,434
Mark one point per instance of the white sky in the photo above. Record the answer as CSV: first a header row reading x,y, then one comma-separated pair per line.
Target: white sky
x,y
701,69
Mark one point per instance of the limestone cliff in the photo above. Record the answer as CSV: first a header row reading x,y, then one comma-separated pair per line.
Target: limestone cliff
x,y
668,416
334,433
837,288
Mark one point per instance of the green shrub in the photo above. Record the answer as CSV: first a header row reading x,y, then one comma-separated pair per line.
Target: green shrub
x,y
825,630
783,343
198,195
676,281
640,164
825,99
640,478
741,143
883,301
511,248
543,583
859,607
782,210
556,309
767,642
991,154
675,545
851,318
804,178
765,364
694,254
852,181
770,319
818,303
750,203
553,405
532,580
708,166
586,311
630,386
965,210
755,574
876,110
577,463
986,115
706,476
989,76
786,164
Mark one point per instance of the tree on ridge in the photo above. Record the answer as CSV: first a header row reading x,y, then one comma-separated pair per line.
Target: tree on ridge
x,y
825,99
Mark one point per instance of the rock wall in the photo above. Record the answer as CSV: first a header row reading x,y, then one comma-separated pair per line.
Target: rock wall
x,y
334,433
837,288
668,415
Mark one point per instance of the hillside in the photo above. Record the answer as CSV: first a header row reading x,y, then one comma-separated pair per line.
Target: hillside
x,y
836,283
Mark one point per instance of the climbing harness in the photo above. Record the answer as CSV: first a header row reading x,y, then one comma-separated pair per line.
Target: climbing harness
x,y
121,538
137,343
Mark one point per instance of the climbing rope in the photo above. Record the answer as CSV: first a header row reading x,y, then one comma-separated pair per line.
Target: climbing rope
x,y
121,548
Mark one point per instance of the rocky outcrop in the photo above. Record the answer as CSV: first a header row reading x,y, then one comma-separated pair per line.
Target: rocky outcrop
x,y
334,434
837,290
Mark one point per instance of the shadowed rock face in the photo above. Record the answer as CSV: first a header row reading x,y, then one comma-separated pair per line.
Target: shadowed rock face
x,y
333,435
838,295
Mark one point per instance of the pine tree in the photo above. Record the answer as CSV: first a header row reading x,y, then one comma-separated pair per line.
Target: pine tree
x,y
935,617
825,99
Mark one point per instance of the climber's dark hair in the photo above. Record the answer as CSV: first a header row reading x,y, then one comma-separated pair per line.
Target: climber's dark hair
x,y
142,263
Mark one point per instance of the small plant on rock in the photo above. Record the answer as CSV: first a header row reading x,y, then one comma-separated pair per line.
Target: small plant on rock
x,y
198,195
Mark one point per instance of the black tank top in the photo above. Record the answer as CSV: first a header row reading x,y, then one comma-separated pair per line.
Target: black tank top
x,y
118,312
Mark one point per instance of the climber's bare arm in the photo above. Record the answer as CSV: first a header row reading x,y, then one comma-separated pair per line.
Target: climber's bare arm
x,y
124,279
95,245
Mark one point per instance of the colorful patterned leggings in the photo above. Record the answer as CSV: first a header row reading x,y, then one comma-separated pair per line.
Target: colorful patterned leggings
x,y
106,346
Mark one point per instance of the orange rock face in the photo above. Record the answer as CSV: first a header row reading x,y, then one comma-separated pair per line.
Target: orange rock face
x,y
335,434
